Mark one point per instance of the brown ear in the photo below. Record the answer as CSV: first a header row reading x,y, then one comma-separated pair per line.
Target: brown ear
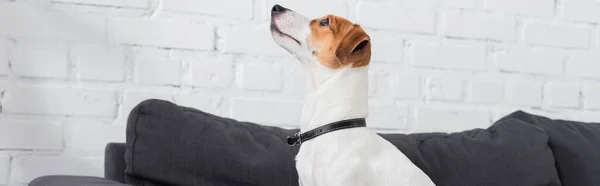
x,y
355,48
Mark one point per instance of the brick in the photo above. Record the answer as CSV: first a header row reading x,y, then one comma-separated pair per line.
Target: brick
x,y
580,10
388,116
4,169
212,71
141,52
593,117
405,85
242,9
480,26
168,34
259,77
467,4
444,88
27,168
294,76
386,48
39,22
487,91
40,59
60,101
530,62
387,15
583,65
91,138
4,84
309,8
591,97
47,136
133,97
542,8
267,112
158,72
523,93
252,41
433,119
561,95
465,57
200,101
3,56
380,80
557,35
98,63
112,3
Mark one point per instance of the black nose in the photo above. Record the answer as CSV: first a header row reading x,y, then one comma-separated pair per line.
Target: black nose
x,y
277,8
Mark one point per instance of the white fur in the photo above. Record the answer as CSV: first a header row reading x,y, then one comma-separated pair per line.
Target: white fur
x,y
349,157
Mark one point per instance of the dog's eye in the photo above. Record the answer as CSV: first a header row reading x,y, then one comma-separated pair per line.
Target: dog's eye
x,y
324,22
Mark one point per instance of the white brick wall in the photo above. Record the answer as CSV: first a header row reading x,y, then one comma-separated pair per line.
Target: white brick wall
x,y
17,135
584,65
533,8
98,62
581,10
479,26
487,91
450,57
530,62
259,77
209,7
558,35
39,59
390,16
72,70
562,95
158,72
167,34
4,169
3,56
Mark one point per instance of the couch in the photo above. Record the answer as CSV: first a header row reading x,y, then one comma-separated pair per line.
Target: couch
x,y
168,144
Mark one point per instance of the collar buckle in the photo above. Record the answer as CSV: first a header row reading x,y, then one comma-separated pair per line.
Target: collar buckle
x,y
294,139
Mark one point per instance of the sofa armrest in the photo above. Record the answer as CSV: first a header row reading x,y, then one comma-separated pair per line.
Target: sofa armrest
x,y
114,162
60,180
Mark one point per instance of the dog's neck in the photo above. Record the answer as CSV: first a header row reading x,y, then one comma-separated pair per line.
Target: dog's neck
x,y
334,95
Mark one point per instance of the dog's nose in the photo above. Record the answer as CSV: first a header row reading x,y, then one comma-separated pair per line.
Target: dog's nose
x,y
277,8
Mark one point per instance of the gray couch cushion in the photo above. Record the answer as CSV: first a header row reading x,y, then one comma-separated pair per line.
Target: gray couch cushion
x,y
64,180
114,163
172,145
509,152
576,147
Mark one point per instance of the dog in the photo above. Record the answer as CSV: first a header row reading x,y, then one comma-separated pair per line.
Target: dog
x,y
336,54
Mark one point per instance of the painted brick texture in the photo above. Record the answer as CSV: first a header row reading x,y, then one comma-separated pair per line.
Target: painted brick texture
x,y
71,70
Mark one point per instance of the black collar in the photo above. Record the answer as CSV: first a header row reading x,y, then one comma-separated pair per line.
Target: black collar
x,y
298,138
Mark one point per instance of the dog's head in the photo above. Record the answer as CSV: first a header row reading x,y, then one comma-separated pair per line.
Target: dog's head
x,y
331,41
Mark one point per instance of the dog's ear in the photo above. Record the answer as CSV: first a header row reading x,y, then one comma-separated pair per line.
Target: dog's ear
x,y
354,48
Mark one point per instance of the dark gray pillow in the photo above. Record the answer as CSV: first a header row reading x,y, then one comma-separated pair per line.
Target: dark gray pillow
x,y
172,145
169,144
576,147
509,152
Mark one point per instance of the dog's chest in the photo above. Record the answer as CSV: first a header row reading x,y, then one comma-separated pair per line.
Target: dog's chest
x,y
336,157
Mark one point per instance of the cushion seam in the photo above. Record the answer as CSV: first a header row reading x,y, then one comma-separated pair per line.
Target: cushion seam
x,y
135,136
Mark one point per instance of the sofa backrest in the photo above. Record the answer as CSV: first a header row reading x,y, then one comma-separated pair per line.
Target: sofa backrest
x,y
575,145
169,144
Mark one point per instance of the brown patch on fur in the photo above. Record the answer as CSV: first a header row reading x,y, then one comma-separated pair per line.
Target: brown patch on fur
x,y
340,44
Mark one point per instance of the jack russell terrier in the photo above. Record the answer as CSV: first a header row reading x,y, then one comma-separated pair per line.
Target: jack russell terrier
x,y
336,147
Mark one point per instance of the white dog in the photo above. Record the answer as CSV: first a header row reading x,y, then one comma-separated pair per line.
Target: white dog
x,y
336,147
